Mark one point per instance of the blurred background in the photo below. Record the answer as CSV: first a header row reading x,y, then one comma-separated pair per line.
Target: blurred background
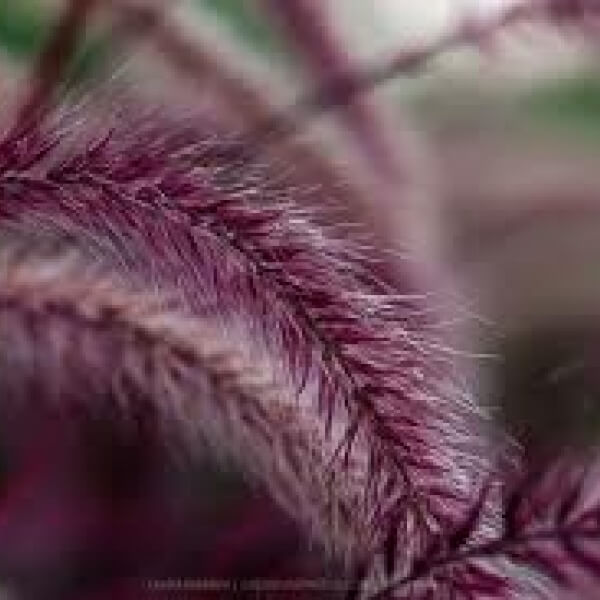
x,y
509,138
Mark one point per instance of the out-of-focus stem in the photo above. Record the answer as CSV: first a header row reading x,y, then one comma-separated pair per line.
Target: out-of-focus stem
x,y
53,61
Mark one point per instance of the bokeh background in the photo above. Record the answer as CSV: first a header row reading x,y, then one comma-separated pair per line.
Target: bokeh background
x,y
509,131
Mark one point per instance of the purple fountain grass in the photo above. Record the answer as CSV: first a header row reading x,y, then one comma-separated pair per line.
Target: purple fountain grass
x,y
77,333
231,242
328,60
194,280
546,545
342,83
572,10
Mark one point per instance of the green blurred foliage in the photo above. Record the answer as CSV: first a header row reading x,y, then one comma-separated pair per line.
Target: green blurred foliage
x,y
23,27
93,53
247,24
26,24
570,103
